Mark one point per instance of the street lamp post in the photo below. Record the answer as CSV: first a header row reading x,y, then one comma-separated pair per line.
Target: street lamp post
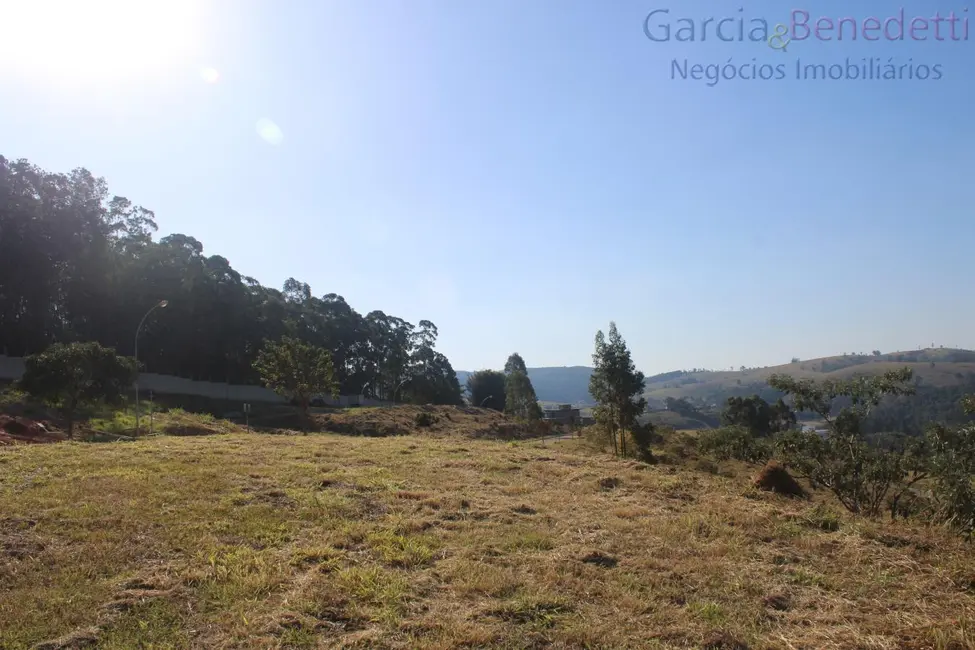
x,y
485,399
161,304
396,391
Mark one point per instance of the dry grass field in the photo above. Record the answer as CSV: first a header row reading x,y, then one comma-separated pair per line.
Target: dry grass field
x,y
250,540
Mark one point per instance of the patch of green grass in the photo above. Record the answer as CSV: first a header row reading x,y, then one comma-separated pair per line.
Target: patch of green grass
x,y
403,551
533,610
241,573
822,517
119,423
378,594
807,578
789,530
156,624
709,612
298,638
530,540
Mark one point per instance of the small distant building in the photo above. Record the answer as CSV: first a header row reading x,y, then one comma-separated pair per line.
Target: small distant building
x,y
819,431
562,414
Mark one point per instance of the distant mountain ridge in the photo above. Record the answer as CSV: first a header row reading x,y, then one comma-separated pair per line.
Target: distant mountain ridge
x,y
932,366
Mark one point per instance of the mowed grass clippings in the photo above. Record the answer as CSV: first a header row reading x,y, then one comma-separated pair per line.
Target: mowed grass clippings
x,y
320,541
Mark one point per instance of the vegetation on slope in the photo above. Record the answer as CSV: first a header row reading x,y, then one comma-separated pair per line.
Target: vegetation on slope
x,y
943,376
950,367
77,264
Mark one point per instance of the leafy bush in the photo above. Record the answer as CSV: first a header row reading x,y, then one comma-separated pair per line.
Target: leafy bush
x,y
424,419
952,466
860,475
640,438
10,396
735,442
597,437
76,377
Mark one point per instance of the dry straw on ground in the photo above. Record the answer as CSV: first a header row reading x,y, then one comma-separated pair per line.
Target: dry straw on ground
x,y
326,541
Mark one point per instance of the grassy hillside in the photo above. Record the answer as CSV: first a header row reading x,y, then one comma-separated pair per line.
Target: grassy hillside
x,y
931,368
249,540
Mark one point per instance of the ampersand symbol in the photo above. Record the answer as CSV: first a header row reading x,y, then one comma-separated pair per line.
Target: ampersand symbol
x,y
777,41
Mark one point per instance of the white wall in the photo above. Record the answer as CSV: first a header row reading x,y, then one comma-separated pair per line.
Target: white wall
x,y
13,368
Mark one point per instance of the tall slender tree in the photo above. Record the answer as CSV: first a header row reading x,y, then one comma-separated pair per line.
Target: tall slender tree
x,y
520,398
617,386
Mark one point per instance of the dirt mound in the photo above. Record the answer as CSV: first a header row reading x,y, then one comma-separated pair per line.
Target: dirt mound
x,y
24,430
775,478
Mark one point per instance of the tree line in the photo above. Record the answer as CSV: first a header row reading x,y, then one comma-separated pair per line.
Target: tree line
x,y
510,392
79,264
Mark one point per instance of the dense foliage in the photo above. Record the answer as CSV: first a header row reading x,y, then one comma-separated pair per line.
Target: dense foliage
x,y
296,370
77,264
736,442
685,409
929,476
486,388
520,399
859,474
78,376
758,416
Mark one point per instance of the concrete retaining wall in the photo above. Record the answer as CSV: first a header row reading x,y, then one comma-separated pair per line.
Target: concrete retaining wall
x,y
13,368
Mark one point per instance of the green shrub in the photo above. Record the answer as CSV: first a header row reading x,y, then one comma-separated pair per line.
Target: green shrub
x,y
952,466
737,443
424,419
639,439
861,475
120,423
77,378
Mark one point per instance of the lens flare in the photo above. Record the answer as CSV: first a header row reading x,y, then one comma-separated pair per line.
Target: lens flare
x,y
269,131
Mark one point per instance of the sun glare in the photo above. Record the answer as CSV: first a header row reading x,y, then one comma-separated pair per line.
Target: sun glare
x,y
210,75
96,40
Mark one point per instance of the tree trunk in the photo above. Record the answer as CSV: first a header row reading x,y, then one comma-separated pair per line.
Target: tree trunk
x,y
622,440
72,405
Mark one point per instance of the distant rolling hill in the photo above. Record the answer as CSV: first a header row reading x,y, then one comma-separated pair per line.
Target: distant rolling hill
x,y
936,367
566,384
933,368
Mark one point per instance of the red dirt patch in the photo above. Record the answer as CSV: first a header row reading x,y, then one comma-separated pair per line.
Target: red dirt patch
x,y
775,478
15,430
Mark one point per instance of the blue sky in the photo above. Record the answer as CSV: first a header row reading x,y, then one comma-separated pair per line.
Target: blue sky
x,y
521,173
